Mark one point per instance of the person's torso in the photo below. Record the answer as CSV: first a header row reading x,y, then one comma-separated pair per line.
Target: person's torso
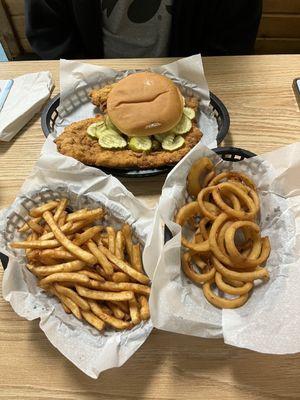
x,y
136,28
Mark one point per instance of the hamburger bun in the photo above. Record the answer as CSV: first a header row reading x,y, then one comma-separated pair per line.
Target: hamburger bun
x,y
144,104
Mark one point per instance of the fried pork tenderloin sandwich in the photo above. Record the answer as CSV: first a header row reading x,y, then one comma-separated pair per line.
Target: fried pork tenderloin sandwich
x,y
147,123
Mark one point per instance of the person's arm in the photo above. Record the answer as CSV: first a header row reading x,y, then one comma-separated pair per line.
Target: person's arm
x,y
51,30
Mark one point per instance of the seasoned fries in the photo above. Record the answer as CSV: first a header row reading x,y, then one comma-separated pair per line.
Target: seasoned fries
x,y
95,271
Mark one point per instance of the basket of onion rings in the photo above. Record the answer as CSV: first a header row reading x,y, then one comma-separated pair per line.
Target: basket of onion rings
x,y
225,233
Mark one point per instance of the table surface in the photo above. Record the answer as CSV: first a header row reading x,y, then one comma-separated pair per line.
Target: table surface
x,y
257,91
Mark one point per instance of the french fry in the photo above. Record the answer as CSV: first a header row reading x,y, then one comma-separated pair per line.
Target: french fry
x,y
122,305
46,260
98,295
73,277
101,258
25,227
71,294
35,227
39,211
64,228
106,309
119,287
62,219
118,313
71,247
138,276
120,245
93,320
86,214
111,234
114,322
134,311
58,254
137,257
66,302
127,233
119,277
92,275
60,209
88,234
71,266
144,307
104,241
35,244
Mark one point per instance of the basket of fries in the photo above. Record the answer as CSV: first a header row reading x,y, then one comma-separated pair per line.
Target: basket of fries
x,y
83,265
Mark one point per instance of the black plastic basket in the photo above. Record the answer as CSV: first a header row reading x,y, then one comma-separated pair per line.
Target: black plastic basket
x,y
233,154
50,114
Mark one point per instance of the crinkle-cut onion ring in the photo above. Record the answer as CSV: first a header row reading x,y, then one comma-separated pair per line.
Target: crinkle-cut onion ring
x,y
259,273
197,171
191,274
229,289
221,302
203,203
243,197
202,227
186,212
208,178
233,175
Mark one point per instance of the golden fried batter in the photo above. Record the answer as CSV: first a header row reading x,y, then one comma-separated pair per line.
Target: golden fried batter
x,y
75,142
99,96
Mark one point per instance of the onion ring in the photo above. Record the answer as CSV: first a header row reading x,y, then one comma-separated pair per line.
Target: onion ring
x,y
186,212
233,175
259,273
243,197
202,227
191,274
226,288
208,178
197,170
260,250
221,302
201,202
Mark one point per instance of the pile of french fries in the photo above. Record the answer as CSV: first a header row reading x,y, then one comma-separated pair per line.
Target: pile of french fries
x,y
95,271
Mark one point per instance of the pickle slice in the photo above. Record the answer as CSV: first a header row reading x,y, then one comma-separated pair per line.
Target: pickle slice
x,y
172,142
189,112
110,125
160,137
95,129
140,144
110,139
183,126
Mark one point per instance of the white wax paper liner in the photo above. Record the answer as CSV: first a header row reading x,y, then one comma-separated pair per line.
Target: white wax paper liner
x,y
88,349
270,321
77,78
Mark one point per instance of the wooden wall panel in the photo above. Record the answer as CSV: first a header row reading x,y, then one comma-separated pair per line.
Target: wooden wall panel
x,y
281,6
280,26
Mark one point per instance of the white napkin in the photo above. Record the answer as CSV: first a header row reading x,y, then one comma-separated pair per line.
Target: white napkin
x,y
25,99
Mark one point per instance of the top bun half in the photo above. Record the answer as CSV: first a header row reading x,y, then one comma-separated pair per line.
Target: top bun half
x,y
144,104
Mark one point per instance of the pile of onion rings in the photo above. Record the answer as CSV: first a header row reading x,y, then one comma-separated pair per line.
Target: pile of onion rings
x,y
227,253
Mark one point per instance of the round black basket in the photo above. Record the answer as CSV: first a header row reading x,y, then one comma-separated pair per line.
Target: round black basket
x,y
50,114
233,154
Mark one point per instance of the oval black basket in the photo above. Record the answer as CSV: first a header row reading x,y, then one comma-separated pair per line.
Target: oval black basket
x,y
50,114
233,154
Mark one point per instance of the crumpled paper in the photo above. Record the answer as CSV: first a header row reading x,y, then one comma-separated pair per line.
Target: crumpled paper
x,y
89,350
77,79
270,321
26,98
